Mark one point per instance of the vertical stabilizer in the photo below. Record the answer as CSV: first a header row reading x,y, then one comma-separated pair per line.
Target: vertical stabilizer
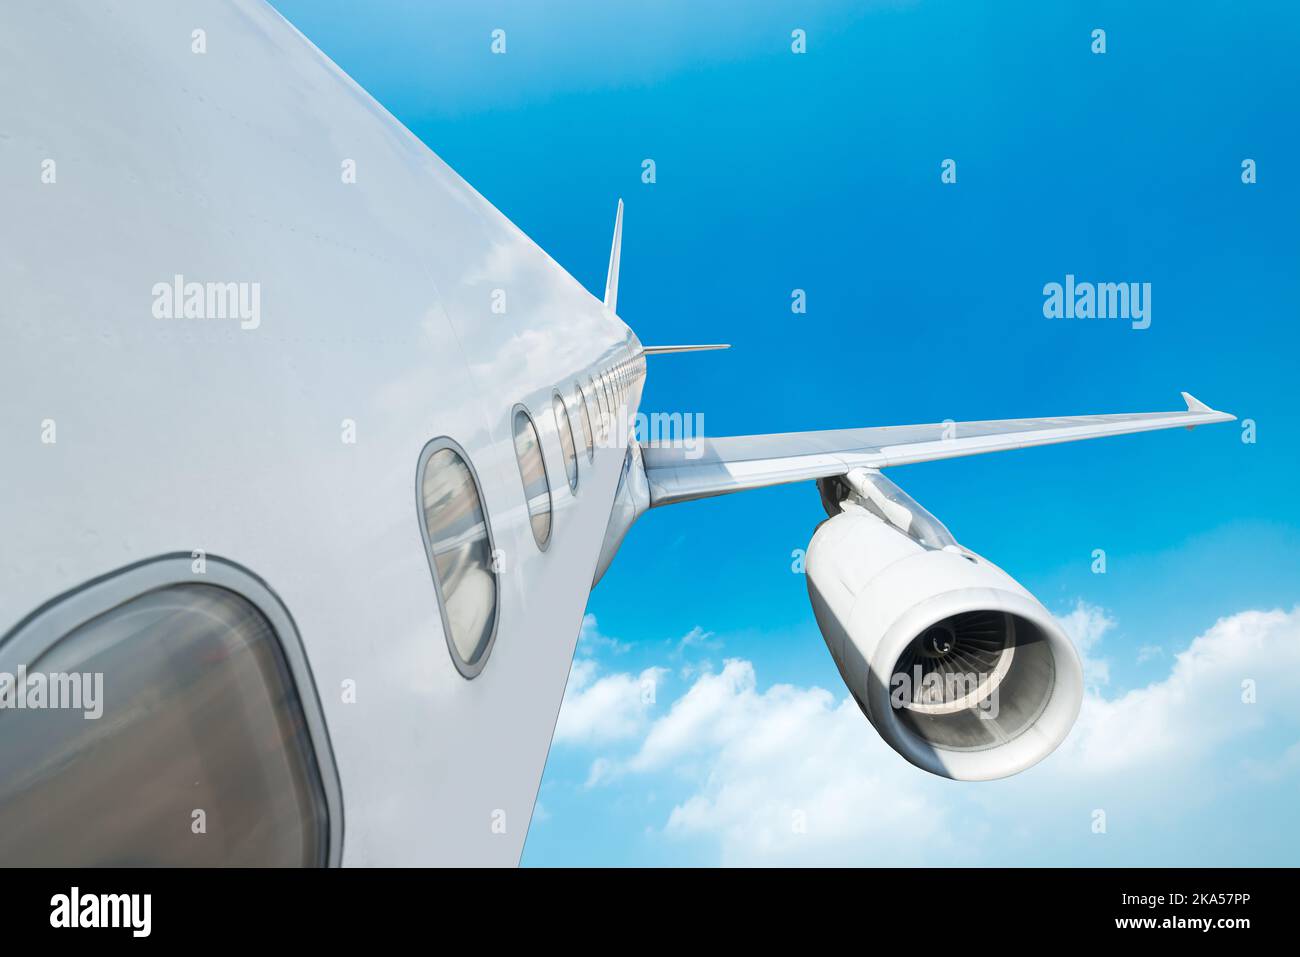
x,y
611,281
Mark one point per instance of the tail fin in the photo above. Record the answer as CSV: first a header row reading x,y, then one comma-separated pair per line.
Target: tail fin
x,y
611,281
611,291
661,350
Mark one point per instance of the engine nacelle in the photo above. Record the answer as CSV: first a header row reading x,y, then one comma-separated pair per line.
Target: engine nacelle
x,y
958,667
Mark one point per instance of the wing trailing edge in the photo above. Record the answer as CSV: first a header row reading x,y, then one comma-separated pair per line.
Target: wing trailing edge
x,y
702,467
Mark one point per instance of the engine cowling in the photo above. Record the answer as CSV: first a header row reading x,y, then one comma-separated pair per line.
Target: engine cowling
x,y
955,664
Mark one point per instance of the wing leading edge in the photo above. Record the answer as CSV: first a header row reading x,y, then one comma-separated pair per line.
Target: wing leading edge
x,y
679,472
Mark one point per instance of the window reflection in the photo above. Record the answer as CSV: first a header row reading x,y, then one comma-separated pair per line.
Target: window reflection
x,y
199,710
584,401
462,552
567,445
537,490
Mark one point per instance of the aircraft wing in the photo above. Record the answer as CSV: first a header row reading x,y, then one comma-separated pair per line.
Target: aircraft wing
x,y
735,463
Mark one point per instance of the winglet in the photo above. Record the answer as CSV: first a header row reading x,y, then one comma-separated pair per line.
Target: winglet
x,y
611,280
1200,408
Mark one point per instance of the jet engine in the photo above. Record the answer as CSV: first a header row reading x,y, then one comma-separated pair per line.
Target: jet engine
x,y
955,664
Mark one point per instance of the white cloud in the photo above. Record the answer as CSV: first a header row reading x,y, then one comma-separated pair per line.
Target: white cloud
x,y
697,637
592,640
599,709
1147,652
796,775
787,773
1087,625
693,669
1277,767
1199,705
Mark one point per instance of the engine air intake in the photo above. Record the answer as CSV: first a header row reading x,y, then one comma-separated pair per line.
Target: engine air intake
x,y
958,662
953,662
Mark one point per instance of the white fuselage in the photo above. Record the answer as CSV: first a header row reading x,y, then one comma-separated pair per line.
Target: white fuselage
x,y
375,319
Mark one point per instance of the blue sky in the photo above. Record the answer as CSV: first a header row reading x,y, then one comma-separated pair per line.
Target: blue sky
x,y
821,171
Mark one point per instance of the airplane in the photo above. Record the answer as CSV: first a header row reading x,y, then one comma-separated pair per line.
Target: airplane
x,y
312,459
